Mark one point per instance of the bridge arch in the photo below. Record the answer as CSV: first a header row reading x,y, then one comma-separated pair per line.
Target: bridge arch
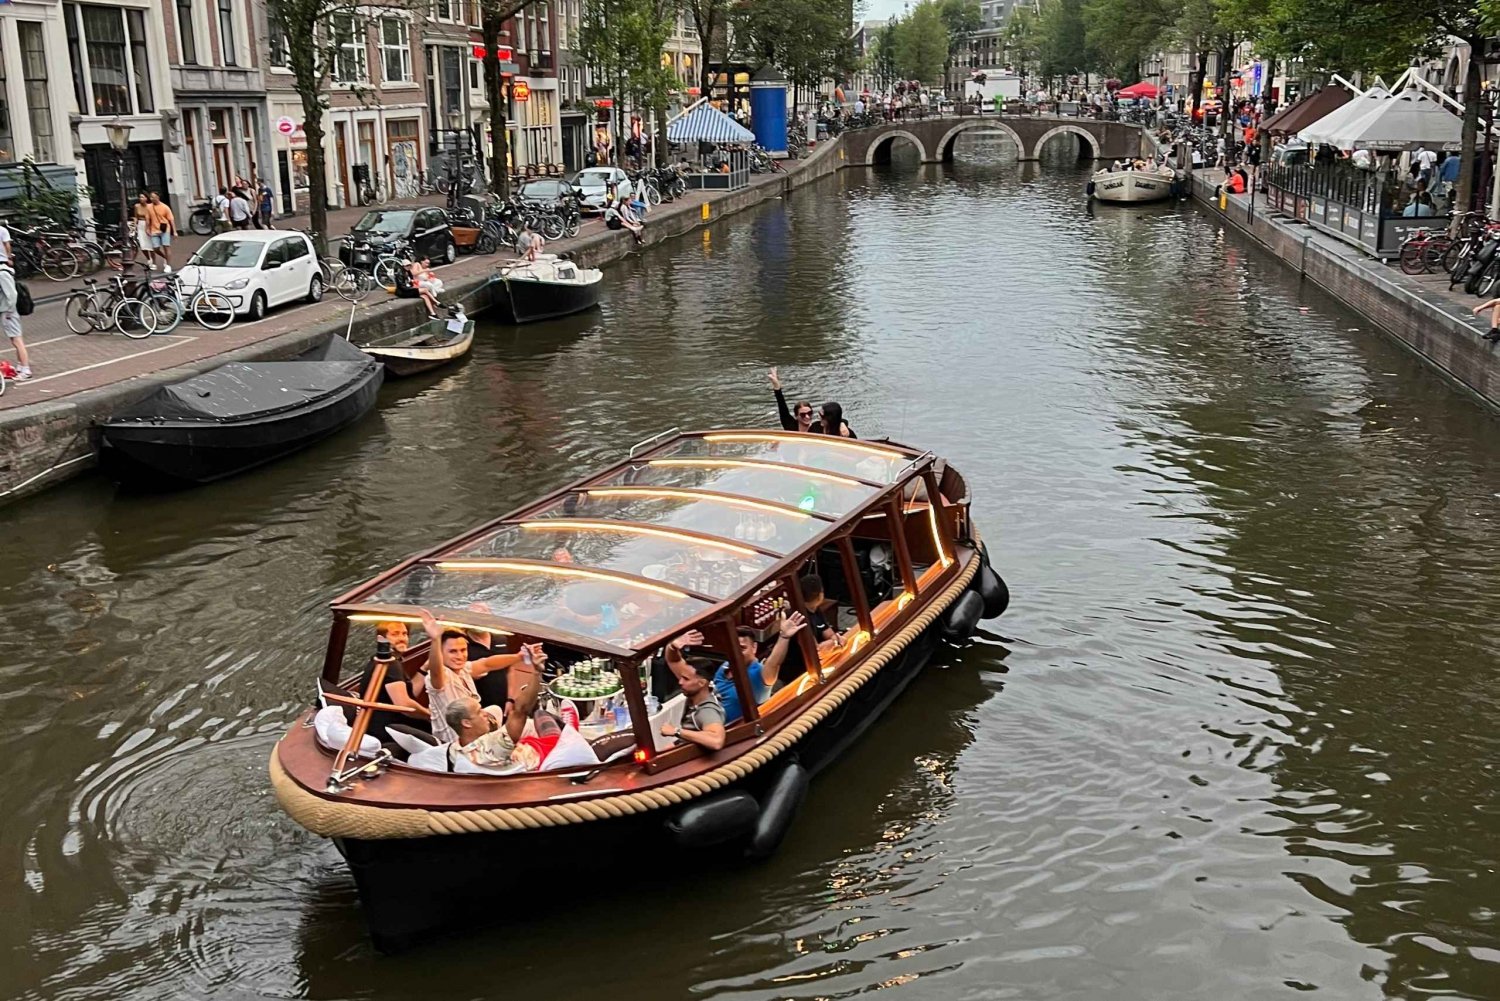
x,y
1077,130
944,149
880,149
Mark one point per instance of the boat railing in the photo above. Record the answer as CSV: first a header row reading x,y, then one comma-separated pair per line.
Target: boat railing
x,y
638,446
901,473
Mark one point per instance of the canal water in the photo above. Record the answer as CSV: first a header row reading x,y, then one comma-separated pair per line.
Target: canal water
x,y
1235,738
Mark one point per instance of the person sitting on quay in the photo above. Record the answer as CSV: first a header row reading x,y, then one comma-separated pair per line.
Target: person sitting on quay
x,y
1493,305
529,244
799,418
428,285
617,216
450,674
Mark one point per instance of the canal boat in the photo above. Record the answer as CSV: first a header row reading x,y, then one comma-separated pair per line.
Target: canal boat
x,y
1148,184
708,531
239,416
436,343
544,289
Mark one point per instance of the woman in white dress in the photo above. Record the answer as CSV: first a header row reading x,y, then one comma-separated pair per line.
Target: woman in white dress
x,y
138,221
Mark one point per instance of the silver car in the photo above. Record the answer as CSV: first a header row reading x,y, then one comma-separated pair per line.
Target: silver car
x,y
593,183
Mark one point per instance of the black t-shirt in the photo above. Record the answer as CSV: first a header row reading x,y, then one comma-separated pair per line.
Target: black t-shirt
x,y
493,688
820,625
383,718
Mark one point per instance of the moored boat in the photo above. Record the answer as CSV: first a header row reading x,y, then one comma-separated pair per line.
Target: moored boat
x,y
702,541
436,343
239,416
544,289
1147,184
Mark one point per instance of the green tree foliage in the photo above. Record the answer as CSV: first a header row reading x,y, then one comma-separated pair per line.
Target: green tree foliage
x,y
807,39
962,19
621,41
1023,40
882,54
710,20
1124,32
1063,48
492,17
922,43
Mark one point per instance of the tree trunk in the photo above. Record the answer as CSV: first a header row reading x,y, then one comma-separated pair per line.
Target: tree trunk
x,y
661,135
1262,136
1468,167
1197,79
317,171
705,60
499,138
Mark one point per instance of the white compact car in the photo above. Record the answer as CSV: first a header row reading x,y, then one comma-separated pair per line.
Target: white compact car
x,y
256,269
593,184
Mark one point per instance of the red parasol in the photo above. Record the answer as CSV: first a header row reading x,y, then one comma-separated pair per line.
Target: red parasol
x,y
1142,89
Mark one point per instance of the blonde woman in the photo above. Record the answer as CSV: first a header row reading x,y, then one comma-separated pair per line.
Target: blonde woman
x,y
138,224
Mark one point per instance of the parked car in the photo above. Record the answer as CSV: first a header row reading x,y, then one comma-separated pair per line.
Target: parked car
x,y
545,191
257,269
425,229
592,183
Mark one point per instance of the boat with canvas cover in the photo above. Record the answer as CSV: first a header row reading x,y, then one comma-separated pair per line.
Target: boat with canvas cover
x,y
703,538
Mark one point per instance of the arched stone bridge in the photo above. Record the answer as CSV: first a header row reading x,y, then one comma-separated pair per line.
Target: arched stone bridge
x,y
934,136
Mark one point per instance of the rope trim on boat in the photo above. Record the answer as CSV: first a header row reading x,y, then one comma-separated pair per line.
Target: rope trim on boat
x,y
335,819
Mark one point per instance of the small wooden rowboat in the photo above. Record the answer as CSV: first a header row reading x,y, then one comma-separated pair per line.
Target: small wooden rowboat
x,y
436,343
709,531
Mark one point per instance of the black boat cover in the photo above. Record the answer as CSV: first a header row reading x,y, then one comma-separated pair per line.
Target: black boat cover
x,y
247,390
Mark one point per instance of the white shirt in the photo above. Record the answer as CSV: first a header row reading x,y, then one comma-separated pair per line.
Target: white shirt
x,y
4,243
1427,158
239,209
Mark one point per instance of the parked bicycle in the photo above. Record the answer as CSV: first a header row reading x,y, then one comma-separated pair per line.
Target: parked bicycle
x,y
101,308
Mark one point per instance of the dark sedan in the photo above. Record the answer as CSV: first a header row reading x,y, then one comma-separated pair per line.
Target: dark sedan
x,y
545,191
424,229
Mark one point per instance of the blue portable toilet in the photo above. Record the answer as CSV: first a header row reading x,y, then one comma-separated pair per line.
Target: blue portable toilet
x,y
768,108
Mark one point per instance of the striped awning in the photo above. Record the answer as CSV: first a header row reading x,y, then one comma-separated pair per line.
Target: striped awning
x,y
708,124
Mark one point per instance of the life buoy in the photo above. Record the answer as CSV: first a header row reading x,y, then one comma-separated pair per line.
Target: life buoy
x,y
962,617
714,820
778,806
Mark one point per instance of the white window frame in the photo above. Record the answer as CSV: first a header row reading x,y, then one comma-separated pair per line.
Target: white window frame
x,y
87,69
356,49
401,51
273,29
442,10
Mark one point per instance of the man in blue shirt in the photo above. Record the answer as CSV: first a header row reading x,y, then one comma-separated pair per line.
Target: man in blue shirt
x,y
762,674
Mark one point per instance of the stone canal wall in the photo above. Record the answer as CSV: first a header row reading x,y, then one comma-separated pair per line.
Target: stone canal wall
x,y
1432,323
47,442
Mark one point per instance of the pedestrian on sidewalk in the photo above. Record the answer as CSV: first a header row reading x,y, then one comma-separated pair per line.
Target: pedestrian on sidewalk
x,y
239,210
10,320
264,221
160,221
141,226
1493,305
221,211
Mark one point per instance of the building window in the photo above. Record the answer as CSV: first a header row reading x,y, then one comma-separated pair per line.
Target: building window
x,y
187,42
349,64
7,140
108,58
453,85
280,49
138,61
228,50
445,10
247,135
395,51
38,102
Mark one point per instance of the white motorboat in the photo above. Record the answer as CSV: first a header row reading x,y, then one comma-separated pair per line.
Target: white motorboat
x,y
1148,184
547,287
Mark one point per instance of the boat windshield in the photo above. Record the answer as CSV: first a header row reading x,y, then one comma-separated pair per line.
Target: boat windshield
x,y
758,524
806,490
676,559
567,598
834,455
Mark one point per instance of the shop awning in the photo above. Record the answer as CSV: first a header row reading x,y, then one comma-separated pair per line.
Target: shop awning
x,y
1142,89
1403,122
1316,105
708,124
1325,129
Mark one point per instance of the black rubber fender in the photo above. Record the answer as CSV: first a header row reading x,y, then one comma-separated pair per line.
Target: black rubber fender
x,y
1090,189
714,820
962,617
780,803
991,589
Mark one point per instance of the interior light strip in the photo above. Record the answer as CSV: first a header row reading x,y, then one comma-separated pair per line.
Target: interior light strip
x,y
556,570
779,467
691,495
830,440
417,620
554,524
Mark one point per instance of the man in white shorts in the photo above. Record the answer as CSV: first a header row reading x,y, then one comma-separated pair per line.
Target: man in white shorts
x,y
10,320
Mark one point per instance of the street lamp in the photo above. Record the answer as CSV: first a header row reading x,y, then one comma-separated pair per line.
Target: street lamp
x,y
119,140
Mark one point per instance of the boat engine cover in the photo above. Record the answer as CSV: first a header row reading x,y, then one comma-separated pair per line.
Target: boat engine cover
x,y
714,820
778,806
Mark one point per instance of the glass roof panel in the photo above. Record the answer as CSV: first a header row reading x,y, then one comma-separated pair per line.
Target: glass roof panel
x,y
835,455
748,521
565,598
672,558
826,493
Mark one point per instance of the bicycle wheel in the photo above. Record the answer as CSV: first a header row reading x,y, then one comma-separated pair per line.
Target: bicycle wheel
x,y
1433,253
573,225
352,284
1411,257
385,273
59,264
81,315
653,196
212,309
331,267
552,227
136,318
169,310
1455,255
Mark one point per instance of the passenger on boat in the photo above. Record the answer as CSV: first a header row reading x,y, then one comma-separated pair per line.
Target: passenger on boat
x,y
561,555
450,674
491,744
493,686
811,586
799,418
396,690
831,421
703,716
762,674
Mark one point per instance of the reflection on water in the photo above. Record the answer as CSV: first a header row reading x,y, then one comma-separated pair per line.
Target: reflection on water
x,y
1235,735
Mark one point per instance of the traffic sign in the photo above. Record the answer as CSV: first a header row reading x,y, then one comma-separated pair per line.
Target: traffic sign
x,y
286,126
520,90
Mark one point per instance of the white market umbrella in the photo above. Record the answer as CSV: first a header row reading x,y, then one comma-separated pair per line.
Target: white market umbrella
x,y
1404,122
1323,130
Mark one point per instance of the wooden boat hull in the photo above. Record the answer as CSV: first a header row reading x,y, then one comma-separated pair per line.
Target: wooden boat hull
x,y
1124,187
413,359
526,301
411,889
181,453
